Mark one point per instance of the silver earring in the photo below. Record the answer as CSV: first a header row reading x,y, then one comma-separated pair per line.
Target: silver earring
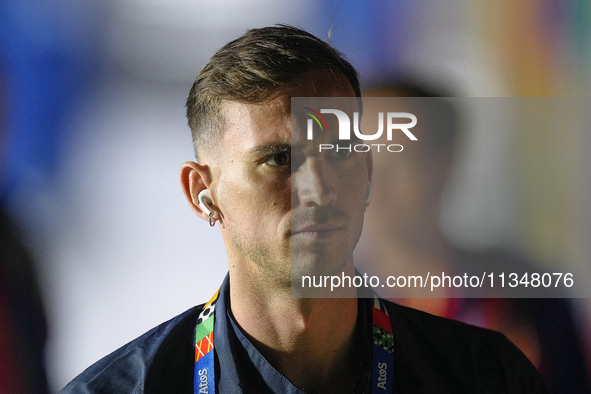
x,y
201,200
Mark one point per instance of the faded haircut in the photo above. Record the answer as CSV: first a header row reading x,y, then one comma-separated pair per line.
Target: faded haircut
x,y
253,68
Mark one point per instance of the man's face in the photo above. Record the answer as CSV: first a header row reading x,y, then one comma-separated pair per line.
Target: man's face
x,y
280,202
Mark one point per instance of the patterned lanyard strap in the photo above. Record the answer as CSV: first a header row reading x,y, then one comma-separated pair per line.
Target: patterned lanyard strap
x,y
204,381
383,349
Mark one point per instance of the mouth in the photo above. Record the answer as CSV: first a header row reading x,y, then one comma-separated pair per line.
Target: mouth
x,y
318,231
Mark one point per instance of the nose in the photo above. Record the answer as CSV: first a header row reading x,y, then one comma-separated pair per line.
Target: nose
x,y
313,184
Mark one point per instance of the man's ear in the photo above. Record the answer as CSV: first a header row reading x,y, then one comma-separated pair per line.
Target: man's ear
x,y
195,178
369,164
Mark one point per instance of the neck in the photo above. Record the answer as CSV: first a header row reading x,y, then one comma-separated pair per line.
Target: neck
x,y
305,339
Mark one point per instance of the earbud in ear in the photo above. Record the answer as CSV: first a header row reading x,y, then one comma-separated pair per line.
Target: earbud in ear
x,y
203,199
204,205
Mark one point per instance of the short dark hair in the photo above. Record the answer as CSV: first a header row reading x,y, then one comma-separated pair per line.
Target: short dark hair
x,y
254,67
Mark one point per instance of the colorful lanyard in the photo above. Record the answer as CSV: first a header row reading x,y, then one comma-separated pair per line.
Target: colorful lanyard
x,y
383,349
204,381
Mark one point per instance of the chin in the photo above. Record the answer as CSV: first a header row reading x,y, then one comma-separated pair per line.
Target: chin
x,y
322,264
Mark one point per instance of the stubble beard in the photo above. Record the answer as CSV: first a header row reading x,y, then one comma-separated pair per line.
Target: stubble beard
x,y
273,266
280,268
320,259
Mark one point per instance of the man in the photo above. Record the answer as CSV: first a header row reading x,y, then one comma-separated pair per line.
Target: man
x,y
279,201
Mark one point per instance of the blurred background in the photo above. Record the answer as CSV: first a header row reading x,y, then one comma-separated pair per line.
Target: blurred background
x,y
93,134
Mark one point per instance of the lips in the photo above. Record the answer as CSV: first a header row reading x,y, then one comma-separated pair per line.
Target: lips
x,y
318,231
321,222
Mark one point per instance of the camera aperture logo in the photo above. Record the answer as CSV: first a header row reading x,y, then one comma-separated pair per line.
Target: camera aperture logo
x,y
315,116
391,120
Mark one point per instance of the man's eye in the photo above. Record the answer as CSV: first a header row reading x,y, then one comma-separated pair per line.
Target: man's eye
x,y
279,159
341,153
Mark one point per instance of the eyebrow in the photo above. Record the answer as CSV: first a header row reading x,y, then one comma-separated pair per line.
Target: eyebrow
x,y
269,149
353,140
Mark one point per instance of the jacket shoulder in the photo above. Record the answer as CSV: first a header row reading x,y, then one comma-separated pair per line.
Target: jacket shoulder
x,y
138,364
434,350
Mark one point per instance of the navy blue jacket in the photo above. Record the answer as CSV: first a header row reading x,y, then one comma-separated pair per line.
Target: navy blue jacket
x,y
431,355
